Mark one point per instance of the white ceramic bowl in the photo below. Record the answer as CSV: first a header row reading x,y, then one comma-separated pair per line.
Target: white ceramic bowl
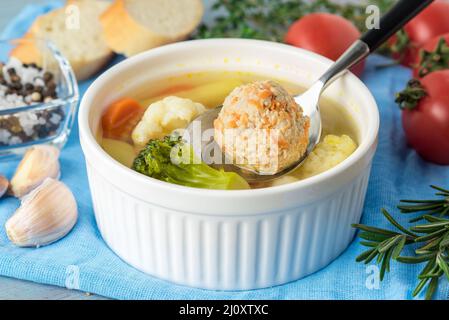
x,y
227,240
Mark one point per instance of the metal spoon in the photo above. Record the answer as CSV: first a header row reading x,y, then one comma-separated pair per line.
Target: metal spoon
x,y
390,23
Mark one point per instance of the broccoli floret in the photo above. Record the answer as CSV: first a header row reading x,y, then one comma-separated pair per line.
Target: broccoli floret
x,y
171,160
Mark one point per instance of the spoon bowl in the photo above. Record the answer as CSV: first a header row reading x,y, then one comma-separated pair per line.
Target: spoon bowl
x,y
206,122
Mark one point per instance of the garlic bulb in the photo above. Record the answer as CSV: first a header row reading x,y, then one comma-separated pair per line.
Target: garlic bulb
x,y
38,163
45,215
4,184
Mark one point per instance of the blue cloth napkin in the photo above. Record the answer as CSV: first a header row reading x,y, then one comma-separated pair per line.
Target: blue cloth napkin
x,y
83,261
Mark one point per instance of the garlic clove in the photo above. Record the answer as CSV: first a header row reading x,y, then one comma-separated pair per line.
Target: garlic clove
x,y
38,163
4,184
45,215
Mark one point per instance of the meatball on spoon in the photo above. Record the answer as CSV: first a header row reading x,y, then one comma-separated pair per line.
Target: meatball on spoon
x,y
390,23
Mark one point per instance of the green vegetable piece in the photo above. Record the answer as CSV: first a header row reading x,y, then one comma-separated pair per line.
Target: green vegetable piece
x,y
171,160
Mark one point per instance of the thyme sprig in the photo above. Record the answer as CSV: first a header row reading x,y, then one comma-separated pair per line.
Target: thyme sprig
x,y
269,20
431,240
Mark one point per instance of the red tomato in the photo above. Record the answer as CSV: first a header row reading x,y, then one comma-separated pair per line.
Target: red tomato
x,y
427,126
432,22
431,46
326,34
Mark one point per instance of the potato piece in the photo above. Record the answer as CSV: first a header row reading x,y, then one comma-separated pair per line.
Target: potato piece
x,y
121,151
210,95
326,155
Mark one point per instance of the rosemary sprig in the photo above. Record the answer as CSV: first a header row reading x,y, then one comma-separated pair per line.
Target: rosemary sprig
x,y
431,238
269,20
385,244
438,207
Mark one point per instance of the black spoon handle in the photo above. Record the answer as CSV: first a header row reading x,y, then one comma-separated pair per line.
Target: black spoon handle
x,y
394,20
390,23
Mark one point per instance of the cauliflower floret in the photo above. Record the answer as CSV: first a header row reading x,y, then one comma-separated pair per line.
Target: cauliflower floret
x,y
164,116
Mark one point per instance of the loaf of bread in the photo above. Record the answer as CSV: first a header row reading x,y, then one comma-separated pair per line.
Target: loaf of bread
x,y
133,26
76,31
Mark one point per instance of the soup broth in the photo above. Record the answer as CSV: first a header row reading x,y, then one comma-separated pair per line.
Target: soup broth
x,y
210,89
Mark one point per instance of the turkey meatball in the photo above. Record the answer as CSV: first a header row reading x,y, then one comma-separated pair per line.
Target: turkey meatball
x,y
261,128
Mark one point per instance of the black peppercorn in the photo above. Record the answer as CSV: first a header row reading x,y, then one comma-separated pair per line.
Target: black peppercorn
x,y
41,89
51,85
15,78
29,86
48,76
17,86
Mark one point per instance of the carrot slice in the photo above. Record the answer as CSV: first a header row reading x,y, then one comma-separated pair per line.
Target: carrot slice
x,y
120,119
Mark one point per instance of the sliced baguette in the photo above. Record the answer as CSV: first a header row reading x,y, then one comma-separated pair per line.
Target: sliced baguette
x,y
84,47
133,26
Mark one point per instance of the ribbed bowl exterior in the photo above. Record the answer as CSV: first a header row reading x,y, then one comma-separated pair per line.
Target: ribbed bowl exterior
x,y
227,252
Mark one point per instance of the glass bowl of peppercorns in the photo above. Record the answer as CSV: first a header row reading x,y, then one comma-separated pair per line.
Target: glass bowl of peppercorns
x,y
38,96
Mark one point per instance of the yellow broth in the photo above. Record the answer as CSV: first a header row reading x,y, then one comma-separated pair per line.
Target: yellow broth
x,y
211,89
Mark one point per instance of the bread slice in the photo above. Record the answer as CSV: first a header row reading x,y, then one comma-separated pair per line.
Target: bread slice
x,y
81,43
133,26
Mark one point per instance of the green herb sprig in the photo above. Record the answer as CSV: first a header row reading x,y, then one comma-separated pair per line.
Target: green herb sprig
x,y
269,20
438,207
431,239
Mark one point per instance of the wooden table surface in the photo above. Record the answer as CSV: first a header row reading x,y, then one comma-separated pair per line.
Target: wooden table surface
x,y
17,289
